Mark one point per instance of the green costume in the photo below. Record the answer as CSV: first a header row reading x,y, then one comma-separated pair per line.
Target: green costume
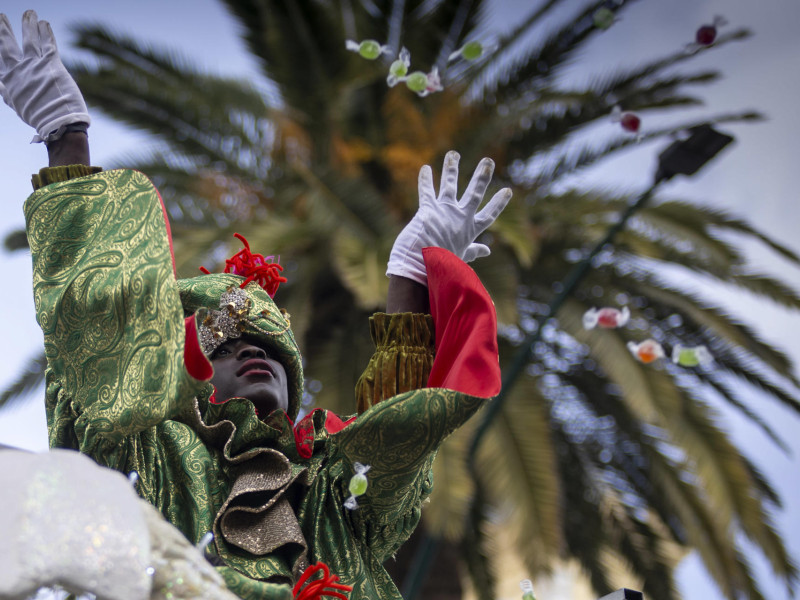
x,y
127,384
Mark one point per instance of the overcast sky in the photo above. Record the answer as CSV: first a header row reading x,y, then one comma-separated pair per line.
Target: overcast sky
x,y
752,179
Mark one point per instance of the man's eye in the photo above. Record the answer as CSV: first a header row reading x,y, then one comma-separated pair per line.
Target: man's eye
x,y
221,351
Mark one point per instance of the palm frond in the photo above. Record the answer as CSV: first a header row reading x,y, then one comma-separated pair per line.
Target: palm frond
x,y
31,377
16,240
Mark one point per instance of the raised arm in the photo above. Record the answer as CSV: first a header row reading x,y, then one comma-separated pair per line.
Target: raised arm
x,y
404,356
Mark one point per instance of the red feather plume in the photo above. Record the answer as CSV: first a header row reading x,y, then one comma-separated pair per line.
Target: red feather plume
x,y
254,267
305,589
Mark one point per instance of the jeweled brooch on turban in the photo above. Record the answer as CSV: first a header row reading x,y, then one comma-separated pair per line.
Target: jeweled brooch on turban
x,y
218,326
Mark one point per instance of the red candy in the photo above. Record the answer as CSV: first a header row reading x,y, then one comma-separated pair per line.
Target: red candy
x,y
706,35
630,122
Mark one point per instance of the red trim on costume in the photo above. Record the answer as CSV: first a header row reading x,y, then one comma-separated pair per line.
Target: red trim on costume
x,y
466,327
305,589
169,230
334,424
304,436
195,361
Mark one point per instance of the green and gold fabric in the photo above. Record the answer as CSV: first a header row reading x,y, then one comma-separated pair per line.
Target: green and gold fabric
x,y
125,385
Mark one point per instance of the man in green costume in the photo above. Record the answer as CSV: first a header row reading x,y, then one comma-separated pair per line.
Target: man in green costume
x,y
195,383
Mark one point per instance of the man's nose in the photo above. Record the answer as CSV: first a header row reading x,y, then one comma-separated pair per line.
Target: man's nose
x,y
249,351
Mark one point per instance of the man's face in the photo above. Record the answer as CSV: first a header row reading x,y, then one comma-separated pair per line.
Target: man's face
x,y
243,369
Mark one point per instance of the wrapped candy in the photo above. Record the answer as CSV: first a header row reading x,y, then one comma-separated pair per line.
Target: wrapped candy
x,y
424,84
629,121
369,49
357,486
690,356
706,35
399,68
527,589
471,51
646,351
603,18
207,538
607,318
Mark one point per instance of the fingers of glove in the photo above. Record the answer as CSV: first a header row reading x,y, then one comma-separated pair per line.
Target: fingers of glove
x,y
449,187
30,34
474,251
10,51
425,186
47,39
477,185
492,210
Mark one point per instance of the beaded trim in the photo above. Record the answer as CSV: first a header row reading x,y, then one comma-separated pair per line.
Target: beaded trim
x,y
218,326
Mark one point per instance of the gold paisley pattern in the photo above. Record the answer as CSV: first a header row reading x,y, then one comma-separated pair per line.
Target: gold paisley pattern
x,y
117,389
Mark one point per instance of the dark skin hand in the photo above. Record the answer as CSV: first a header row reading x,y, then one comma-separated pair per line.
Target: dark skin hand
x,y
71,149
406,295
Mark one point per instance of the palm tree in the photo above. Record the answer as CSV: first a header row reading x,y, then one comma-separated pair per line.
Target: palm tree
x,y
596,458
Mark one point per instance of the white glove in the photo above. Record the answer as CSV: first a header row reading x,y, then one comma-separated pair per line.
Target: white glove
x,y
35,83
446,222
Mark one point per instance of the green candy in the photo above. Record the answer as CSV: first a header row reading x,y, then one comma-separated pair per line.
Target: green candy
x,y
358,484
369,49
472,50
603,18
687,357
690,356
417,81
398,68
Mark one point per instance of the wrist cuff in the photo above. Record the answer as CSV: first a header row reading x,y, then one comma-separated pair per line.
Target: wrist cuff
x,y
50,175
57,134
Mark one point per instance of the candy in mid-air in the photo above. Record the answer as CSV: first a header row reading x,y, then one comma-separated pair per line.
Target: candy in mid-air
x,y
424,83
629,121
369,49
603,18
646,351
607,318
357,486
470,51
417,81
706,34
434,82
690,356
527,589
399,68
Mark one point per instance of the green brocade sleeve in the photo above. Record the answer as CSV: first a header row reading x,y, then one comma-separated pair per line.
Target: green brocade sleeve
x,y
400,432
108,306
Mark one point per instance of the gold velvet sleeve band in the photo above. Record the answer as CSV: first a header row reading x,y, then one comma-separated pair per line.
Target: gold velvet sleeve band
x,y
50,175
404,350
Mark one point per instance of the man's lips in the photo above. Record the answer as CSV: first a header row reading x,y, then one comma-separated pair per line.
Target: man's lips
x,y
255,366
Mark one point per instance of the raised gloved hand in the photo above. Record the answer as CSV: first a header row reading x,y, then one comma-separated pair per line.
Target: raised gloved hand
x,y
446,222
35,83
